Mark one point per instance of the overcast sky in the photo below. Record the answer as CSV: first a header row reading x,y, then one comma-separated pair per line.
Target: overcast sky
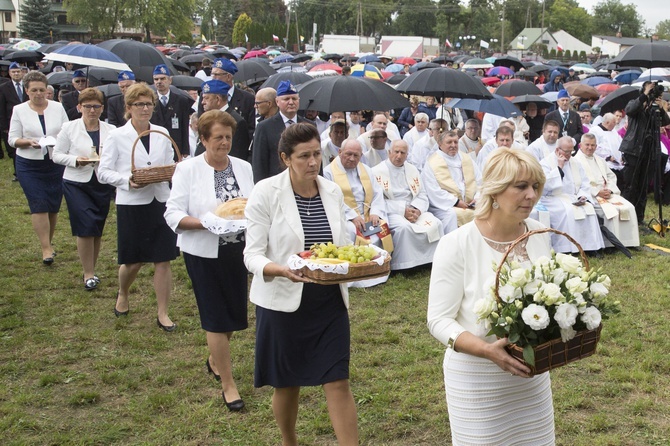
x,y
651,10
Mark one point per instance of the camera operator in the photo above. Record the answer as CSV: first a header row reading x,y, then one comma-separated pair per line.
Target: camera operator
x,y
638,145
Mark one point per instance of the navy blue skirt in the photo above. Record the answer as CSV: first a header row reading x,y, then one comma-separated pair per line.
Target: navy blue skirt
x,y
220,288
143,234
42,183
308,347
88,206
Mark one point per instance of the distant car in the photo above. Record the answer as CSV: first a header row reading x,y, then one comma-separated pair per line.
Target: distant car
x,y
309,47
276,47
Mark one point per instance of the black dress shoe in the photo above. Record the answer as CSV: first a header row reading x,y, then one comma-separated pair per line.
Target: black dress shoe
x,y
118,313
209,369
233,406
168,328
48,261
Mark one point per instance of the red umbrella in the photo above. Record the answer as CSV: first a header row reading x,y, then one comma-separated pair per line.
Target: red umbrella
x,y
405,61
257,53
606,89
490,80
327,66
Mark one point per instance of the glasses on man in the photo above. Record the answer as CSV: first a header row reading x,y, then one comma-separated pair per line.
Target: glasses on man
x,y
142,104
91,107
260,102
79,81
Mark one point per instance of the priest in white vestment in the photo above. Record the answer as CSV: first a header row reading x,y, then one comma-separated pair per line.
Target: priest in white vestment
x,y
417,132
545,144
504,138
566,196
427,145
330,147
415,230
362,196
608,144
617,213
451,180
470,142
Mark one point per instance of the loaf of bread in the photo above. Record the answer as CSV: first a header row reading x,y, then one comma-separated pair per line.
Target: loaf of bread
x,y
232,209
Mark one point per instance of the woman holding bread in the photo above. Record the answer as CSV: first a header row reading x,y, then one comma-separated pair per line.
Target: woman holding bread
x,y
214,262
302,329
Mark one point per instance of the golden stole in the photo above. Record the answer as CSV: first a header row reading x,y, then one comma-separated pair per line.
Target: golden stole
x,y
445,180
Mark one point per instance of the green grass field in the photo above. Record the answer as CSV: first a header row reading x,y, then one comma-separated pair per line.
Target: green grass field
x,y
73,374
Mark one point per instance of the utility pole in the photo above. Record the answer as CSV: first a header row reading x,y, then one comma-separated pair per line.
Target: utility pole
x,y
502,32
297,32
288,24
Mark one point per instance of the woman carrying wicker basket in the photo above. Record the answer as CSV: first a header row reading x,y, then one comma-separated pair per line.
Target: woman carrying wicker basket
x,y
491,398
302,329
143,234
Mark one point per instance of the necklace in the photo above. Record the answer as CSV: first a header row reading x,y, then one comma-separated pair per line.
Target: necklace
x,y
309,205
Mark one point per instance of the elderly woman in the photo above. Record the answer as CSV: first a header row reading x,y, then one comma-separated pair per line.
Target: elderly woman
x,y
490,396
40,178
77,148
302,329
214,263
143,234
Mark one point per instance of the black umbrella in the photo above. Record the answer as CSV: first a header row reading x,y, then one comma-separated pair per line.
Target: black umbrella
x,y
654,54
395,79
348,59
525,73
60,78
49,47
541,67
295,77
422,66
251,71
180,66
517,88
193,59
180,53
25,56
347,93
140,57
524,99
100,76
222,52
109,90
618,99
187,82
609,235
332,56
443,83
302,58
509,62
442,60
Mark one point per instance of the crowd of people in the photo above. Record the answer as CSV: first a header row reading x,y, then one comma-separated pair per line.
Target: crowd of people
x,y
437,185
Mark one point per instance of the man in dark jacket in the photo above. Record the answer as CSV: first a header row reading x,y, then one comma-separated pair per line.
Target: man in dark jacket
x,y
569,120
638,148
9,97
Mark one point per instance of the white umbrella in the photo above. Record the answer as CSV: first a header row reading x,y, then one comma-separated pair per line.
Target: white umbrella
x,y
90,55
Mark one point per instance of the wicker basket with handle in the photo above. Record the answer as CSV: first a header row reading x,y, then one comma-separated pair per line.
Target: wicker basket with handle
x,y
555,353
154,174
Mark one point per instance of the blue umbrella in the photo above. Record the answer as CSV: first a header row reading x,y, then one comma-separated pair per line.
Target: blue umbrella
x,y
90,55
282,58
597,80
627,77
498,106
369,58
654,77
394,68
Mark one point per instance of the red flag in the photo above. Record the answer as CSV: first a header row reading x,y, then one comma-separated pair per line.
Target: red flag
x,y
559,47
275,38
447,43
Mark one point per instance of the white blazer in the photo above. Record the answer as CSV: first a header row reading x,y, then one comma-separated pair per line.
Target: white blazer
x,y
73,141
274,232
193,195
25,123
114,167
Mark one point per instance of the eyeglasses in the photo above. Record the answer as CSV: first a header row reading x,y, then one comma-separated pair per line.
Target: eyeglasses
x,y
79,81
217,74
143,104
260,102
92,107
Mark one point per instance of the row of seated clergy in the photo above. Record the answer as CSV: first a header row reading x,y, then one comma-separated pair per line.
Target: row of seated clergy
x,y
415,230
567,197
617,213
363,197
427,145
452,181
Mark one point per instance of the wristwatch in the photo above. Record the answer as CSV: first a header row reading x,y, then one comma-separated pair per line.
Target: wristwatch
x,y
452,339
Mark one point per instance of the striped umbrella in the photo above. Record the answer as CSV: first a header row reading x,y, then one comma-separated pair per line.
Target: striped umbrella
x,y
366,70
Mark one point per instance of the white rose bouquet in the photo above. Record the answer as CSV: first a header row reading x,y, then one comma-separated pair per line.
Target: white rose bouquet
x,y
556,298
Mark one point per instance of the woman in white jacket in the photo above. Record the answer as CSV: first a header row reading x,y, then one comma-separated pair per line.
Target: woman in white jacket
x,y
143,235
78,147
214,262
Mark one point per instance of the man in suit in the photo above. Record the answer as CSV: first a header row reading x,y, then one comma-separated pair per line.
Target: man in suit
x,y
71,99
264,158
116,105
239,100
9,97
215,97
172,110
569,120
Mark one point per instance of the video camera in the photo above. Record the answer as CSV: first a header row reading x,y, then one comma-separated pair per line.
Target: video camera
x,y
656,92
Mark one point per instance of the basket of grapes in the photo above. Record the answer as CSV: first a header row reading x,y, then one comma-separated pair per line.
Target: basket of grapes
x,y
326,263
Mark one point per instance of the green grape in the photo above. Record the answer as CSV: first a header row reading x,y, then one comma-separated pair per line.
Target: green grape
x,y
361,260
